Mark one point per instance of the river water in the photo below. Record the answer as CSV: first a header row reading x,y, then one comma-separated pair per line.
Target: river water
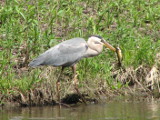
x,y
108,111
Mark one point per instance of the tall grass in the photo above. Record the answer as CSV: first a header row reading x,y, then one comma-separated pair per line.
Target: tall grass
x,y
28,28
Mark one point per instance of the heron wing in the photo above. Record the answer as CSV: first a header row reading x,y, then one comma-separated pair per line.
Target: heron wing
x,y
66,53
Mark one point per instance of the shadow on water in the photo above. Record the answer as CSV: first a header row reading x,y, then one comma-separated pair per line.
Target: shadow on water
x,y
109,111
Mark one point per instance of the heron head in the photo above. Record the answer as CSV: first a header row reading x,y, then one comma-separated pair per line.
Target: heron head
x,y
99,40
95,39
94,42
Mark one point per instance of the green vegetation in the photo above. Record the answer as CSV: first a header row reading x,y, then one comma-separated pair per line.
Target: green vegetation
x,y
28,28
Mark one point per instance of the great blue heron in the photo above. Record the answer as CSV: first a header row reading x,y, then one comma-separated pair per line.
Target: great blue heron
x,y
69,52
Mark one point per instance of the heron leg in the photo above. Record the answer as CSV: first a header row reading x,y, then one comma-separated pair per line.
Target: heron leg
x,y
58,85
75,82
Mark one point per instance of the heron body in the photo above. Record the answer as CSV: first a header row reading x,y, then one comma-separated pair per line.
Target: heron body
x,y
69,52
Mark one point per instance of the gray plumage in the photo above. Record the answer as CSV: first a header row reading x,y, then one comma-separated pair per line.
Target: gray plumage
x,y
69,52
64,54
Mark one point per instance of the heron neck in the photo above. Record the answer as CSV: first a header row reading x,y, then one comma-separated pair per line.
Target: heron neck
x,y
91,53
93,49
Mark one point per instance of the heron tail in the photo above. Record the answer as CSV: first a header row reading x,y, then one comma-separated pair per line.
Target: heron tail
x,y
36,62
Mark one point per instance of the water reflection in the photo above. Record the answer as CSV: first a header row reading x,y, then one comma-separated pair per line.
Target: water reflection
x,y
109,111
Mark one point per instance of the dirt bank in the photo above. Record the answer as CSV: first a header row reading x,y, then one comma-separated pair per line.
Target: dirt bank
x,y
141,83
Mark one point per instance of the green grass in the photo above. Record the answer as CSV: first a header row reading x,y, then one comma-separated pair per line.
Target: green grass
x,y
28,28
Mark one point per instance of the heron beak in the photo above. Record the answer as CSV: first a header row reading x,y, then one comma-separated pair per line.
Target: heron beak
x,y
117,50
107,45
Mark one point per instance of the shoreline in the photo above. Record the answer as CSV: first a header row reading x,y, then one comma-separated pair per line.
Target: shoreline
x,y
128,83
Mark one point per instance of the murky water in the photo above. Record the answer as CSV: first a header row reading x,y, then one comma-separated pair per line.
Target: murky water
x,y
109,111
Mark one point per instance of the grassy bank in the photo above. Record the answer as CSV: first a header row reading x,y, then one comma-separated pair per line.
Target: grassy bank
x,y
28,28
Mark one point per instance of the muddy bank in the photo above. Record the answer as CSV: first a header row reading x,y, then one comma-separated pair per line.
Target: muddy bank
x,y
36,98
139,84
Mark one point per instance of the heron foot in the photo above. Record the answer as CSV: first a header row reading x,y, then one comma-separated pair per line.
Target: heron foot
x,y
83,99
